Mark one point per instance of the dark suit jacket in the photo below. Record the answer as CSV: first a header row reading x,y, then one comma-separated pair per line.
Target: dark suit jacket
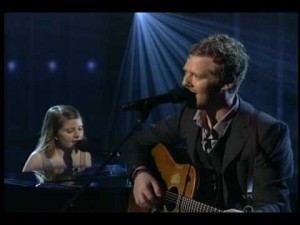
x,y
274,161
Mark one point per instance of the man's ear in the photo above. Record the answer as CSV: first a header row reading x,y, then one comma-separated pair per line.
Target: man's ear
x,y
228,83
227,86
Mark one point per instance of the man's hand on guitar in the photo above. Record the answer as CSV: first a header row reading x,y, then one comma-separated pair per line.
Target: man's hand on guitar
x,y
146,190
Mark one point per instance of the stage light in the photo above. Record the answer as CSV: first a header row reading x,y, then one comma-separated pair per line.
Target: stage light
x,y
52,65
11,66
91,65
140,14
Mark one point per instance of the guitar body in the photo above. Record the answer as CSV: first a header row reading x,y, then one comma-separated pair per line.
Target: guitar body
x,y
182,179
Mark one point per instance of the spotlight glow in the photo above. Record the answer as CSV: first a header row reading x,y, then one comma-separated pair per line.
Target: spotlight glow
x,y
91,65
52,65
11,66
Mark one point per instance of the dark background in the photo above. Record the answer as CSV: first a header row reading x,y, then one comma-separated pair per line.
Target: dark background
x,y
31,40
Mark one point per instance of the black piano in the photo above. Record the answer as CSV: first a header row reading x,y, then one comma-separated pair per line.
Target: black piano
x,y
90,190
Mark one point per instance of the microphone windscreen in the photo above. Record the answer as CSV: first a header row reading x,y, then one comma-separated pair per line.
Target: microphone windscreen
x,y
181,94
82,145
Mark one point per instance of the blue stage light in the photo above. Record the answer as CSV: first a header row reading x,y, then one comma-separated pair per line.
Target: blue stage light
x,y
91,65
52,65
11,66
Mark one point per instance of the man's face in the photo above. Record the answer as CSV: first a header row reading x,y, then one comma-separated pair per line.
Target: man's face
x,y
199,78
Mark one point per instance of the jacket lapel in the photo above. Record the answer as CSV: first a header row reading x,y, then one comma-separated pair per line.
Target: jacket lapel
x,y
195,137
240,132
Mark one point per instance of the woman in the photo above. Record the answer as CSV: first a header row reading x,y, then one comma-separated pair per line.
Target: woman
x,y
57,150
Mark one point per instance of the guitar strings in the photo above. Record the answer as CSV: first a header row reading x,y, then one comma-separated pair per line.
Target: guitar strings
x,y
188,204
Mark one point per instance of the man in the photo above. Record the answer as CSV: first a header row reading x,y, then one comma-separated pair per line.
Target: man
x,y
222,134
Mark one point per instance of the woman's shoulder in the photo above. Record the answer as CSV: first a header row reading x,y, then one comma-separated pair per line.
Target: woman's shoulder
x,y
37,155
34,161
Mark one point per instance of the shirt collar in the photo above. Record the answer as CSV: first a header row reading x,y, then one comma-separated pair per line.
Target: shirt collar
x,y
221,126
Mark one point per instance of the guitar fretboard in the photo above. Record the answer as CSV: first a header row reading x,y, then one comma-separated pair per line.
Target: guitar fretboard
x,y
186,204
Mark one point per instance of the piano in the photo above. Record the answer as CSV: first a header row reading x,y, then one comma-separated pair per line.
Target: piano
x,y
89,190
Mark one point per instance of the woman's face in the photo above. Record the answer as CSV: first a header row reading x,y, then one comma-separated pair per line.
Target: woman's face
x,y
70,133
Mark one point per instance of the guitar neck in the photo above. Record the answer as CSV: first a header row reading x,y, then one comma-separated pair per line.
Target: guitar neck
x,y
186,204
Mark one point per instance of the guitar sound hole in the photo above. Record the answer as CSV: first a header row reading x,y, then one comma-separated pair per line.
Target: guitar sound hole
x,y
171,199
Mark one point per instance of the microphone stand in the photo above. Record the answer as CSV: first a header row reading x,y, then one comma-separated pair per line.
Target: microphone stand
x,y
145,110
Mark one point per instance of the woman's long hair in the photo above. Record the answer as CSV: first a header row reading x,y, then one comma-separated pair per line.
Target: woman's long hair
x,y
53,121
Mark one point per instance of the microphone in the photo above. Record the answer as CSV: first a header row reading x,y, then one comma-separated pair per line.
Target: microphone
x,y
82,145
176,95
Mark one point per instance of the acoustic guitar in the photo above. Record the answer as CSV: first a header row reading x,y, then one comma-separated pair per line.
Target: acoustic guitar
x,y
180,182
